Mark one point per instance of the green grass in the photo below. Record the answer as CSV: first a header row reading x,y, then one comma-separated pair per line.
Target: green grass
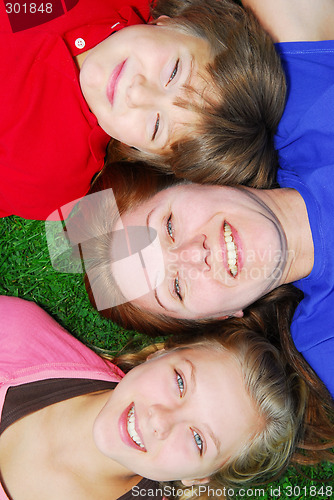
x,y
26,271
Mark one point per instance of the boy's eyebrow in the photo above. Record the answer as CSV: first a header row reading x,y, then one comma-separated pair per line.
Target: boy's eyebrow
x,y
185,87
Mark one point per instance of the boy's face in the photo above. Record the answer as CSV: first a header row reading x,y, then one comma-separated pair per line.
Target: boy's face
x,y
132,79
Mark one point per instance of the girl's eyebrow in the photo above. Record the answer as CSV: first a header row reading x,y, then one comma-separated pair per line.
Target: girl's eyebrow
x,y
193,378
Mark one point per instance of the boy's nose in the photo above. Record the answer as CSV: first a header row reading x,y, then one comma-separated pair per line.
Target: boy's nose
x,y
142,93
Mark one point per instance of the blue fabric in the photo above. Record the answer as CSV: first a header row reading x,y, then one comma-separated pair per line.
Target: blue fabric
x,y
305,140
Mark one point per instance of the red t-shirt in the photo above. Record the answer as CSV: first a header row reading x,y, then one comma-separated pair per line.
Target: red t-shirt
x,y
50,142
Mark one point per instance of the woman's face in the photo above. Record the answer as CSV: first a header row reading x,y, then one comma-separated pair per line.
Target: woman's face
x,y
222,249
132,79
178,416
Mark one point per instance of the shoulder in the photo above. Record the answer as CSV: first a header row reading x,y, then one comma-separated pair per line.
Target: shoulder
x,y
24,323
31,339
58,16
295,20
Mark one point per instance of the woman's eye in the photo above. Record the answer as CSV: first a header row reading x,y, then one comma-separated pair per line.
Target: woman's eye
x,y
174,72
177,288
170,228
180,383
156,127
198,441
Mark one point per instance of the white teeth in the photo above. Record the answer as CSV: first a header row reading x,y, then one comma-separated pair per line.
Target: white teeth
x,y
232,255
131,428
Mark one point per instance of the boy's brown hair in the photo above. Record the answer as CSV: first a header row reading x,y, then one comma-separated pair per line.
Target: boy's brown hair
x,y
232,143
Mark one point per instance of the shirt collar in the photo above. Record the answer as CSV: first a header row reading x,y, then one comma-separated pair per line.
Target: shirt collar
x,y
88,36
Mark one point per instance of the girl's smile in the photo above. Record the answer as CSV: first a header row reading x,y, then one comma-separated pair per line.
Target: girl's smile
x,y
179,415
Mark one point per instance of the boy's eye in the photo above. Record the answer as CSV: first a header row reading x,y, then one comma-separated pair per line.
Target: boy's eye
x,y
177,288
156,127
174,72
170,228
198,441
180,383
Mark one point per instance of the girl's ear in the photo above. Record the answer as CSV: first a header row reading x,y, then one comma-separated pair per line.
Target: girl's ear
x,y
156,354
194,482
161,21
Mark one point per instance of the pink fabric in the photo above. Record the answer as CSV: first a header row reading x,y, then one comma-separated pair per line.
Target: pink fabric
x,y
35,347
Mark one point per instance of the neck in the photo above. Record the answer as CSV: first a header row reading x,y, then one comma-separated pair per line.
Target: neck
x,y
290,209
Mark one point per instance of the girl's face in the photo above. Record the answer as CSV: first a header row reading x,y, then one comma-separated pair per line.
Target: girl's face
x,y
132,79
178,416
222,248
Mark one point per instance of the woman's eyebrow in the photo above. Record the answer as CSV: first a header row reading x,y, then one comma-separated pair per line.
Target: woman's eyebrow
x,y
156,296
148,220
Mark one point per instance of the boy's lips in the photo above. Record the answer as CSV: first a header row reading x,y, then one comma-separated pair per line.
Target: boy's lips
x,y
114,81
230,246
129,431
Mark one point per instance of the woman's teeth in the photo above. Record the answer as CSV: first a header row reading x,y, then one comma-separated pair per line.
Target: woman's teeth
x,y
232,255
131,428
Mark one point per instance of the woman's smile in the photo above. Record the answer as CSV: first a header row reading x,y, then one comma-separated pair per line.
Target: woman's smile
x,y
222,247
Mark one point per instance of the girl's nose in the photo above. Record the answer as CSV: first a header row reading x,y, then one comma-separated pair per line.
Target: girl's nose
x,y
161,421
141,93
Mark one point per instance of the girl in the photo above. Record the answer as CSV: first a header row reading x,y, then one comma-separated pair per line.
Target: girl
x,y
81,78
219,412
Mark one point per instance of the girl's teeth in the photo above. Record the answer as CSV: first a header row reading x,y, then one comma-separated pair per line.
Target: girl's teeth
x,y
131,428
232,256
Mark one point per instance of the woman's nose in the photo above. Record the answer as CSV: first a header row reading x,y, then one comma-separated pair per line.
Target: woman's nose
x,y
191,253
141,93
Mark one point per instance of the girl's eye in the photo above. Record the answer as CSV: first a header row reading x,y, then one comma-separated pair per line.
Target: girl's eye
x,y
170,228
180,383
198,441
156,127
174,72
177,288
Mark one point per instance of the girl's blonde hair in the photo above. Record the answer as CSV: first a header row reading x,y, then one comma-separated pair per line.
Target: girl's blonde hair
x,y
232,142
278,396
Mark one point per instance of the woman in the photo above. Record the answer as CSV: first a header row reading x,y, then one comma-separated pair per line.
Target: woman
x,y
221,249
305,142
97,71
219,412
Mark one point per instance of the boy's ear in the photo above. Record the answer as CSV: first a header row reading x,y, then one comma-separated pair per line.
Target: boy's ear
x,y
194,482
161,21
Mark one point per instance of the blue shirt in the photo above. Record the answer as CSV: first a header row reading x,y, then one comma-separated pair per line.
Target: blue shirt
x,y
305,141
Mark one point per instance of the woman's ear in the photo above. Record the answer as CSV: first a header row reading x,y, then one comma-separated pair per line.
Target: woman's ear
x,y
161,21
194,482
238,314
